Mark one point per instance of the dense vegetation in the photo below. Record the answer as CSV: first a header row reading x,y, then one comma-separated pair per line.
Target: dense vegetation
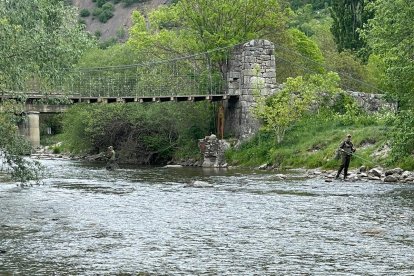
x,y
367,44
141,134
34,47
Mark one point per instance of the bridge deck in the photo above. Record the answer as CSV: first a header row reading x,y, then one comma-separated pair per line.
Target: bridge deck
x,y
32,99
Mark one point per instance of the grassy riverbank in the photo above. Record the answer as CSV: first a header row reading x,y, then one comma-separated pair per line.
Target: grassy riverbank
x,y
311,143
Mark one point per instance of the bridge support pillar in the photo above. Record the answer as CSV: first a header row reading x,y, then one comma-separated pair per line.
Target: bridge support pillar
x,y
30,128
252,71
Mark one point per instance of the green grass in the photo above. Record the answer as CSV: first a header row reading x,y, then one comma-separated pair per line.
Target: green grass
x,y
312,142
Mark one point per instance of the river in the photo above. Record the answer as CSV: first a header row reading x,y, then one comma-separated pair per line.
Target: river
x,y
84,220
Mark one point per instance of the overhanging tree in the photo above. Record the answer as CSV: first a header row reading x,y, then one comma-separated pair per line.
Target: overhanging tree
x,y
38,39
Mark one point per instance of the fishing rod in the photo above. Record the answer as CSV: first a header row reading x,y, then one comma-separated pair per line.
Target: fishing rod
x,y
356,155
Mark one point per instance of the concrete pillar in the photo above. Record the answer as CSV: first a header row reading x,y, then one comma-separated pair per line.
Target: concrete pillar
x,y
30,128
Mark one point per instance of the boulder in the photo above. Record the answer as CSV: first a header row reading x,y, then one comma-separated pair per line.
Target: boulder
x,y
391,178
394,171
362,169
406,174
376,172
198,184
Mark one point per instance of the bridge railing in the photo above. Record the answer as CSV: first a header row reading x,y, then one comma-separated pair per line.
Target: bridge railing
x,y
179,77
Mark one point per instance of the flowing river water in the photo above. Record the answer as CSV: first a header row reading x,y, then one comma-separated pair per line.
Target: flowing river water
x,y
84,220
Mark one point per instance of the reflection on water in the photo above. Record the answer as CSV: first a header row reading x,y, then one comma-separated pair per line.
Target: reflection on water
x,y
86,220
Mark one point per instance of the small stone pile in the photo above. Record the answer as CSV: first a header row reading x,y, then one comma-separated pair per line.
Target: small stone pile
x,y
213,151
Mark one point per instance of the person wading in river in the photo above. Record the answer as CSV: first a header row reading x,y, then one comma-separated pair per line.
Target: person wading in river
x,y
111,156
346,149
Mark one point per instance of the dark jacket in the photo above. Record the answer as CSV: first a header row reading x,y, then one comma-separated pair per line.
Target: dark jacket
x,y
347,147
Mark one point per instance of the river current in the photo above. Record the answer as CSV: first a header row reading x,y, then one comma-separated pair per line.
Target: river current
x,y
84,220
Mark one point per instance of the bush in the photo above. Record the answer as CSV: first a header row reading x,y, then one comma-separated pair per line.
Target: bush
x,y
105,16
108,7
100,3
57,149
143,134
121,33
97,11
85,13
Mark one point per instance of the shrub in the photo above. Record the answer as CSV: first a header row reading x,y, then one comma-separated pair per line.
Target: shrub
x,y
105,16
121,33
100,3
85,13
97,11
108,7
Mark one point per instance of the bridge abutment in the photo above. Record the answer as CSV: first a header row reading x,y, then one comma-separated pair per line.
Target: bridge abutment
x,y
30,128
252,71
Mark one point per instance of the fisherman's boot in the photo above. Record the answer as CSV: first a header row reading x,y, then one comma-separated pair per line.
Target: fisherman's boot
x,y
338,173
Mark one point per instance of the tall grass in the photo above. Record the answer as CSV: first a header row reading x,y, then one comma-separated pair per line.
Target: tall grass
x,y
312,142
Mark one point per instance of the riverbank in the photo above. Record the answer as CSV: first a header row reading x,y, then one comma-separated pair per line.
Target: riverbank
x,y
364,174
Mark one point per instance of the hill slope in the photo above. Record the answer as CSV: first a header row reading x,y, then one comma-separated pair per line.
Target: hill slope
x,y
120,22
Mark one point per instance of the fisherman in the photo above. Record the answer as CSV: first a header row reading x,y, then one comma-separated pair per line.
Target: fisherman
x,y
111,156
346,149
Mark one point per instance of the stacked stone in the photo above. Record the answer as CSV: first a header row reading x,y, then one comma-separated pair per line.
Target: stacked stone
x,y
373,102
213,151
252,71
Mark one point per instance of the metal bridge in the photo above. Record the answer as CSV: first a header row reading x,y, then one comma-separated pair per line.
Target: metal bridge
x,y
190,78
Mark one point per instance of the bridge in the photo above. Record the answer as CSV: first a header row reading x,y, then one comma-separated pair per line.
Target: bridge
x,y
189,78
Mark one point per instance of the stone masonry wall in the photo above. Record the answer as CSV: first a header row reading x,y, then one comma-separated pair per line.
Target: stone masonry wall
x,y
252,69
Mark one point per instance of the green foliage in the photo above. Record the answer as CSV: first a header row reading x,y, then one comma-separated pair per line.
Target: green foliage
x,y
104,11
48,40
311,55
349,16
148,134
108,43
97,11
98,34
130,2
105,15
315,4
392,41
84,13
121,33
36,36
100,3
111,55
13,146
312,142
298,97
183,27
403,136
